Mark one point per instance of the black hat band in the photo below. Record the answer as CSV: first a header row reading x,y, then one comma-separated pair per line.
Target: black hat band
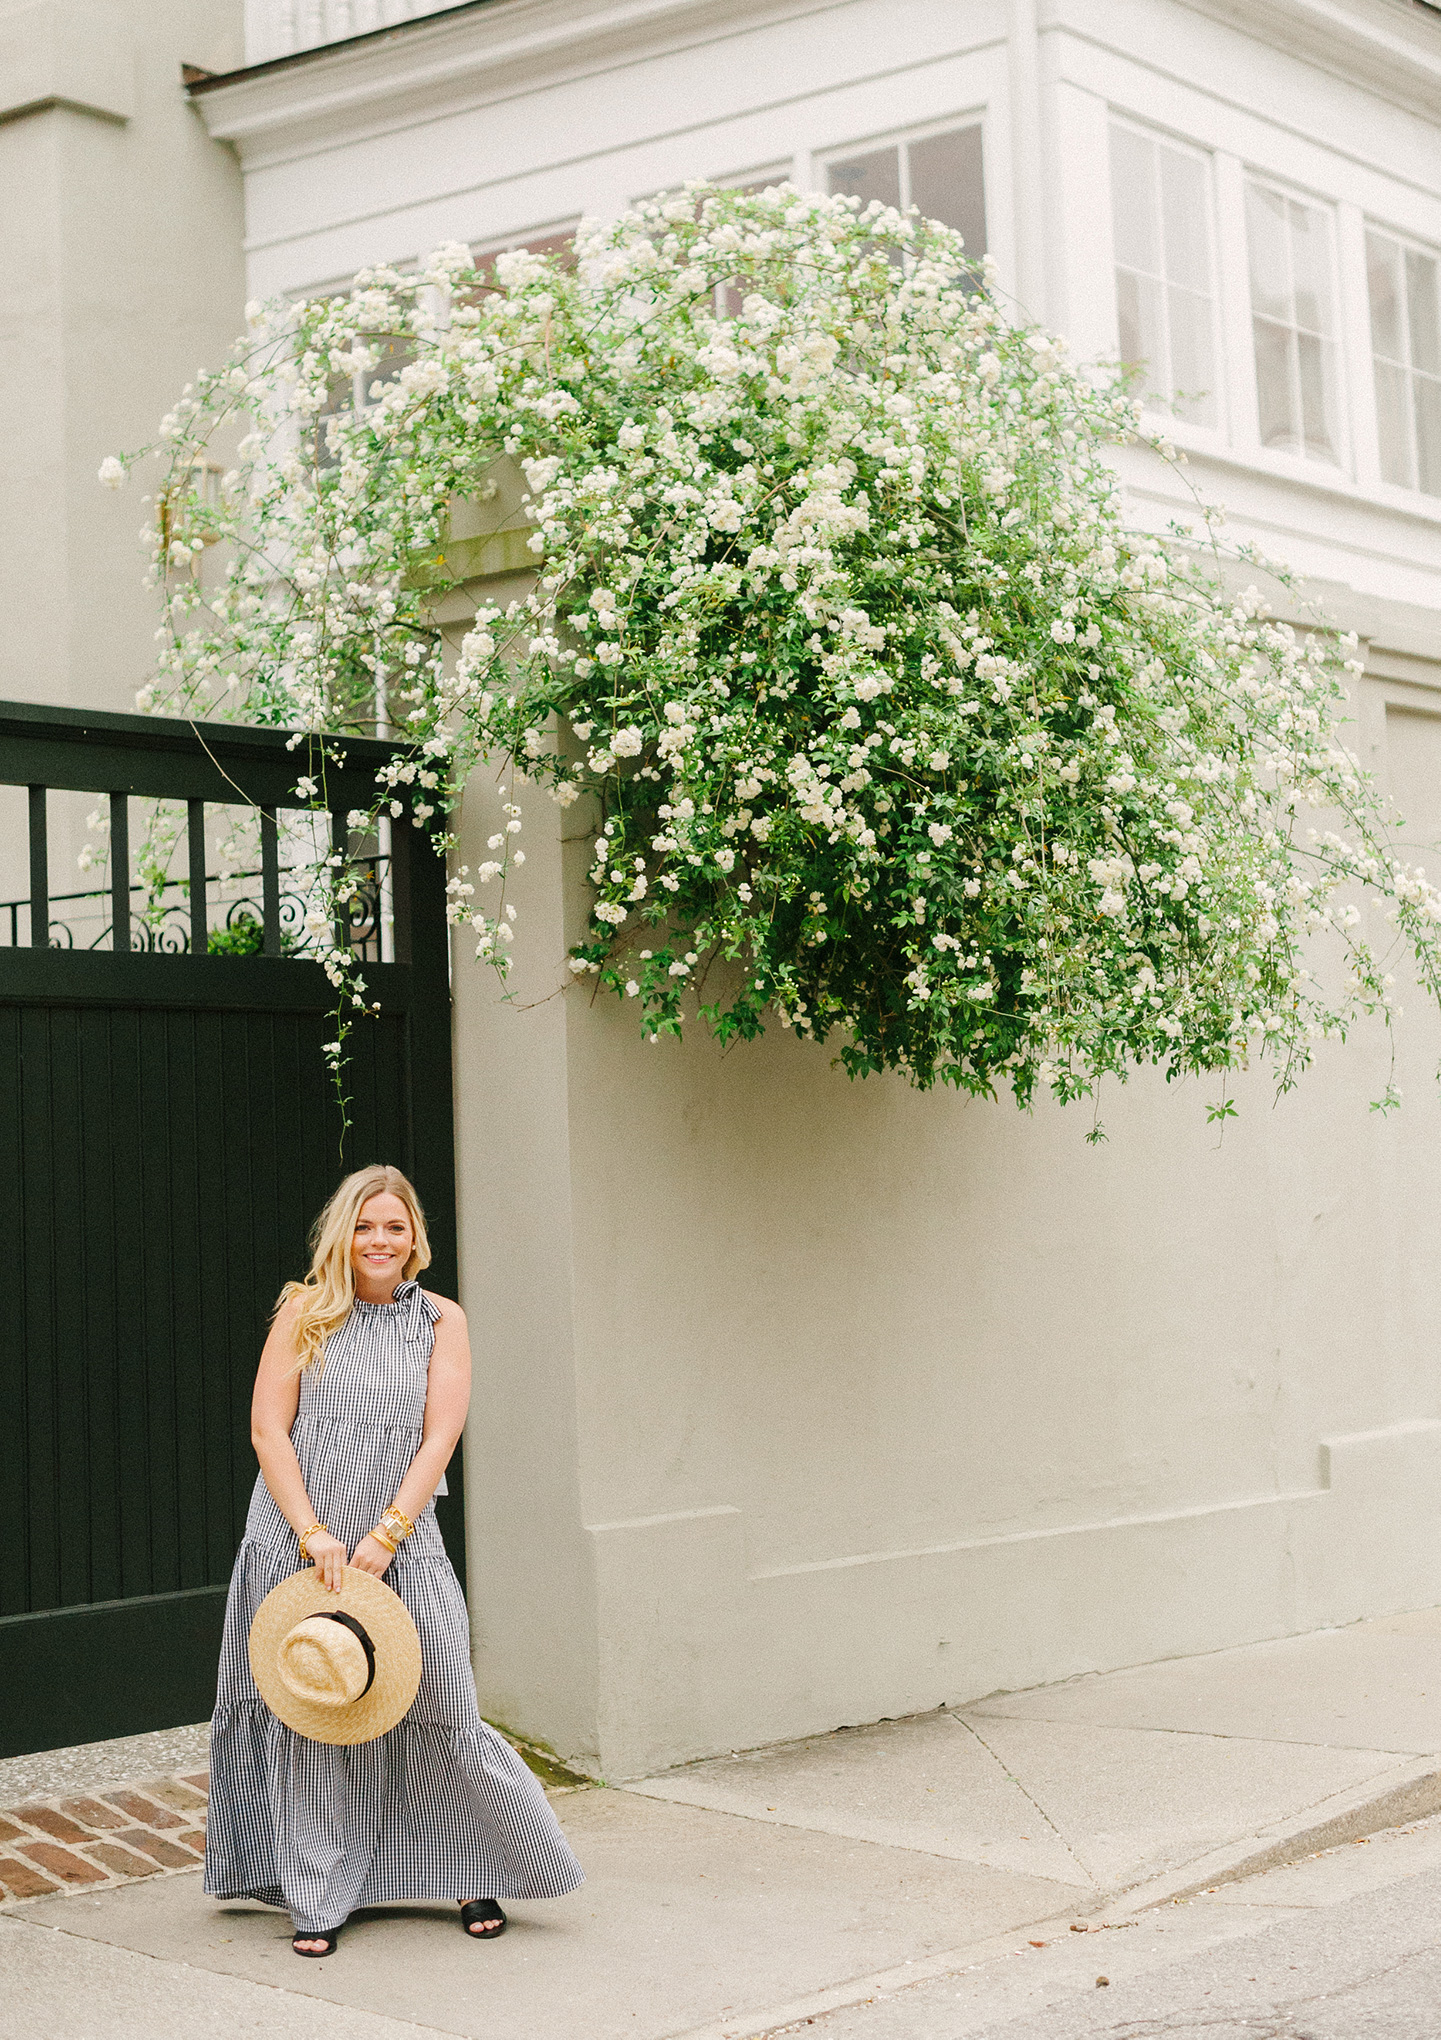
x,y
357,1629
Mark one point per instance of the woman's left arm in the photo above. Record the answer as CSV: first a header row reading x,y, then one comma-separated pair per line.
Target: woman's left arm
x,y
447,1399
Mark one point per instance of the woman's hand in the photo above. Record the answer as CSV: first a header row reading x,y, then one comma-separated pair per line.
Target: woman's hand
x,y
371,1556
327,1555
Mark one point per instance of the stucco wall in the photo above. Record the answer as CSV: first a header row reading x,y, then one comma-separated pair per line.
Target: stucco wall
x,y
124,274
802,1402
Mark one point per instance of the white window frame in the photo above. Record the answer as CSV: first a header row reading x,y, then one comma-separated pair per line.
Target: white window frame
x,y
1304,463
1405,492
522,239
724,298
782,171
899,139
757,179
1188,429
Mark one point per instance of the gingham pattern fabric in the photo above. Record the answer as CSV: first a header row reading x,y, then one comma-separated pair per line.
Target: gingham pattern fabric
x,y
441,1807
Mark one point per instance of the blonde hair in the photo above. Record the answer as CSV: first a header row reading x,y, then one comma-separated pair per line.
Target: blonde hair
x,y
328,1291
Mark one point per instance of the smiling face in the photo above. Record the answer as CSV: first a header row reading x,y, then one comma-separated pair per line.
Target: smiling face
x,y
380,1246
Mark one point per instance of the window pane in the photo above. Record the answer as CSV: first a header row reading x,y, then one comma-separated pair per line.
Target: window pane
x,y
562,244
1128,317
1311,267
1318,397
1421,311
1183,215
339,403
877,175
1133,201
1383,278
1426,395
1270,260
948,184
1192,375
1394,425
1145,318
1159,201
1280,426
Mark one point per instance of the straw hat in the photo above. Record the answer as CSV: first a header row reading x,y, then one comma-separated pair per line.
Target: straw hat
x,y
339,1668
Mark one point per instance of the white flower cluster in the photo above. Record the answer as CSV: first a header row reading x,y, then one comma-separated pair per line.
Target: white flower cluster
x,y
890,725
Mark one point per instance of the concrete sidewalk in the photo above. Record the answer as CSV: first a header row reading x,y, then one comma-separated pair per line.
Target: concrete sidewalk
x,y
734,1897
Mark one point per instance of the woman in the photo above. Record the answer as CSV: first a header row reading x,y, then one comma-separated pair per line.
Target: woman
x,y
359,1399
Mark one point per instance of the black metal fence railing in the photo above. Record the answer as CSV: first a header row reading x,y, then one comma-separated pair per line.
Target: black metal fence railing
x,y
264,912
161,920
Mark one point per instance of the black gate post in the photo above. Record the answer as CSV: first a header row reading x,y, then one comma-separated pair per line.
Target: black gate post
x,y
430,1099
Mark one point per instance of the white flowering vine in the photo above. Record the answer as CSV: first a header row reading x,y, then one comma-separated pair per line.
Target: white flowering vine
x,y
885,722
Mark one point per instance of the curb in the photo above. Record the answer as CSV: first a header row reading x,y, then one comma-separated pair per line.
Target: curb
x,y
859,1990
1393,1798
1409,1792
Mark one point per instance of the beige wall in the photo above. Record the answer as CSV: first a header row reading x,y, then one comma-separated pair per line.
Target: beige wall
x,y
124,274
530,1570
802,1402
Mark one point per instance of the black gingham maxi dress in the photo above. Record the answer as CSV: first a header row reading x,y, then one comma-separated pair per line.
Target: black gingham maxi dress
x,y
440,1807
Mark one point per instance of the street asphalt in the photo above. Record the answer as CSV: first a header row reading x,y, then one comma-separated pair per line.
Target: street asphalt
x,y
1346,1946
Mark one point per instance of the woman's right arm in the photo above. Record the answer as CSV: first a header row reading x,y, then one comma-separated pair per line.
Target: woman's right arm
x,y
272,1412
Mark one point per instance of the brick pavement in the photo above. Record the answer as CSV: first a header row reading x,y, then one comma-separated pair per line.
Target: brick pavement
x,y
82,1841
87,1841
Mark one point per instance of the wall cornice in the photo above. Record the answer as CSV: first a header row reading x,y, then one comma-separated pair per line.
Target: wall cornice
x,y
1391,47
64,53
440,62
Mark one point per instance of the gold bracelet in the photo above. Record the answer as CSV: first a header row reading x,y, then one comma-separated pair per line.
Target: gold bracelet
x,y
380,1537
305,1540
396,1519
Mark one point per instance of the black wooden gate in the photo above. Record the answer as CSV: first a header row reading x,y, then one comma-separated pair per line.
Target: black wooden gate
x,y
168,1131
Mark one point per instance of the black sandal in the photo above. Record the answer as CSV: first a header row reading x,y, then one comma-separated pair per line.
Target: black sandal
x,y
316,1954
483,1909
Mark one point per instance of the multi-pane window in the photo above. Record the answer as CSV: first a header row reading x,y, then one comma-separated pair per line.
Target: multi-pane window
x,y
1294,323
731,295
1406,353
560,241
392,352
942,174
1165,297
347,393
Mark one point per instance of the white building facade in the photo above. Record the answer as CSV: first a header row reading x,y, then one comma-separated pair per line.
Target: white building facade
x,y
799,1402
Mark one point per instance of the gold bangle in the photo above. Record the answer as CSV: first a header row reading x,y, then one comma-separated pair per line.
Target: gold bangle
x,y
395,1518
314,1530
380,1537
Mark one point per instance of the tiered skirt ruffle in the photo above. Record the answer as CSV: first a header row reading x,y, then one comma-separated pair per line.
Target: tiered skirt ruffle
x,y
441,1807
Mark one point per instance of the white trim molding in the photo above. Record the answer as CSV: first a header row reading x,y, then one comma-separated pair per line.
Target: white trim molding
x,y
1392,50
465,56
